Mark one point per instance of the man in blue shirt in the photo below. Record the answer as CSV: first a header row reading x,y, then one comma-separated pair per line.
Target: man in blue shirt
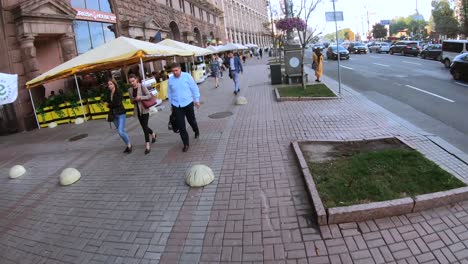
x,y
183,94
235,68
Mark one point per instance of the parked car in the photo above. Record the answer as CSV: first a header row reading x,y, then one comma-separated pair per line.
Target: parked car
x,y
380,47
405,48
332,52
357,47
318,46
451,49
459,67
433,51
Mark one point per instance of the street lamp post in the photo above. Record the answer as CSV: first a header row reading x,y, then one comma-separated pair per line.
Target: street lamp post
x,y
337,47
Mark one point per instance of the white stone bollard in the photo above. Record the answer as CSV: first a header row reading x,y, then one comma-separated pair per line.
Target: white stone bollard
x,y
241,100
17,171
69,176
52,125
199,175
79,121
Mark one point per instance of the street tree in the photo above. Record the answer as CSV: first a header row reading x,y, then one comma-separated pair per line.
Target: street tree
x,y
464,17
342,33
379,31
444,19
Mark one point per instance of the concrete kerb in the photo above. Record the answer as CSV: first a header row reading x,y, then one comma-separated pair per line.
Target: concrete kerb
x,y
363,212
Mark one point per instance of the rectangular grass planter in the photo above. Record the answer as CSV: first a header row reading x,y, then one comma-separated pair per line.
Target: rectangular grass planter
x,y
280,98
372,210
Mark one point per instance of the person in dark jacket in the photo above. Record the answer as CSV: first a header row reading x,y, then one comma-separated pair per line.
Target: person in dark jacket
x,y
115,105
234,65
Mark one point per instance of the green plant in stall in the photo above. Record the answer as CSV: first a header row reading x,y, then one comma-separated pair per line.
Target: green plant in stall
x,y
73,99
40,110
55,103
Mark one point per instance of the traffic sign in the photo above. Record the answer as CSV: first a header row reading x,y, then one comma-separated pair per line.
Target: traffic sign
x,y
330,16
384,22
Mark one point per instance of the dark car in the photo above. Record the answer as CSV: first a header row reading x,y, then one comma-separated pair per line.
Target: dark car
x,y
405,48
459,67
318,46
433,51
357,47
332,52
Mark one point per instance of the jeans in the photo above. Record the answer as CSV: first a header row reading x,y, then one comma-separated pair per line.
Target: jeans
x,y
181,113
235,78
119,122
144,125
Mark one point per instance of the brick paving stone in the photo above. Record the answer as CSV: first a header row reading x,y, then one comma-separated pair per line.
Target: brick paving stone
x,y
137,209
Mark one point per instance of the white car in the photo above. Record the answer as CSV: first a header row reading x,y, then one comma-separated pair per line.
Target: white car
x,y
380,47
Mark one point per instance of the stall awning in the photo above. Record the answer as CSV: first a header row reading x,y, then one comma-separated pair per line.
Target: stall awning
x,y
116,53
180,45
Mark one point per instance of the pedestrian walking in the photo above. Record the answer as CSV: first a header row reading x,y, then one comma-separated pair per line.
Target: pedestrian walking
x,y
215,69
260,51
221,66
183,95
117,111
317,64
139,93
235,68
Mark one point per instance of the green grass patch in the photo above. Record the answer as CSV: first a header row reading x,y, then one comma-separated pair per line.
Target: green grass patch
x,y
316,90
380,175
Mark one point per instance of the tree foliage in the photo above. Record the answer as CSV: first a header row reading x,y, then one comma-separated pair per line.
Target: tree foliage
x,y
379,31
412,23
464,17
343,34
444,19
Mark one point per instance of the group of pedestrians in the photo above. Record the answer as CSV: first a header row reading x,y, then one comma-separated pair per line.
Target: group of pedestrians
x,y
234,66
183,94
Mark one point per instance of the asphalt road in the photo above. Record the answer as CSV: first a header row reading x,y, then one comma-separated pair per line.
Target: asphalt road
x,y
420,91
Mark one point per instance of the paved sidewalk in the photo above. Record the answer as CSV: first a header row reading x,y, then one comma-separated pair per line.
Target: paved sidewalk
x,y
137,209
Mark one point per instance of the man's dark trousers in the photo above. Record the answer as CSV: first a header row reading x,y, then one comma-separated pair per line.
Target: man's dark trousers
x,y
180,114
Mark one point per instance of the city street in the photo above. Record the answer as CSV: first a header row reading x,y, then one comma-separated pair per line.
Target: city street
x,y
420,91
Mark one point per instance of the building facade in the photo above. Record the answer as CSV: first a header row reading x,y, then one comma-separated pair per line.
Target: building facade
x,y
246,21
38,35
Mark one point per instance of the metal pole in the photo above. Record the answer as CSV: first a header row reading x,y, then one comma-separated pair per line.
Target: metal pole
x,y
81,101
34,108
143,77
337,48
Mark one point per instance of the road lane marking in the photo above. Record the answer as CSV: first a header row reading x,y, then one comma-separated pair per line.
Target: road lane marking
x,y
415,63
433,94
349,68
462,84
384,65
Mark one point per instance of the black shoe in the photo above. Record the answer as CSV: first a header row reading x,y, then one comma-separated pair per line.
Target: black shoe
x,y
235,92
153,139
197,134
128,150
185,149
147,151
317,80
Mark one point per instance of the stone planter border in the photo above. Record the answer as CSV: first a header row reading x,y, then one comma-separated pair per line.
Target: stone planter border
x,y
285,99
363,212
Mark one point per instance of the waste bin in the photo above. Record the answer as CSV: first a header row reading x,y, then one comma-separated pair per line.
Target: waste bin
x,y
275,73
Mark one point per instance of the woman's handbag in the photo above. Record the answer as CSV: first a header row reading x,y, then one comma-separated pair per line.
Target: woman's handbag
x,y
149,103
110,116
314,66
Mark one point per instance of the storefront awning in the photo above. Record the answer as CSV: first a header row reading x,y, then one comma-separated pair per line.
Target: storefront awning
x,y
116,53
180,45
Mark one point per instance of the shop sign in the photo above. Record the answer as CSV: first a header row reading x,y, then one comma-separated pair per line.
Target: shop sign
x,y
94,15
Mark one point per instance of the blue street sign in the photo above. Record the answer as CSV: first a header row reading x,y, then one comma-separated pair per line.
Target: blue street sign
x,y
384,22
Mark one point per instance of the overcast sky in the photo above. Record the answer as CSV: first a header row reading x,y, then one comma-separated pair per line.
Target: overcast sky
x,y
354,12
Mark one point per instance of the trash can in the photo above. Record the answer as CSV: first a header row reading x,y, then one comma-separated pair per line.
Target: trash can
x,y
275,73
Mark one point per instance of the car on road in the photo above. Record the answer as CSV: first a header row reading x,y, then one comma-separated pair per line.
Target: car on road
x,y
332,52
380,47
357,47
459,67
405,48
432,51
451,49
318,46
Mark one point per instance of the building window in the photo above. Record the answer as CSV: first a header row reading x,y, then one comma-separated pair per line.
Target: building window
x,y
208,17
169,3
214,19
200,11
182,5
98,5
89,35
192,9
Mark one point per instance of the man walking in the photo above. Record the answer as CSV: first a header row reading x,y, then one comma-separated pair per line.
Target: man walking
x,y
234,65
260,51
183,94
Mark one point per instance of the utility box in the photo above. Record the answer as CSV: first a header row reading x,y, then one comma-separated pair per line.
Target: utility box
x,y
293,60
275,73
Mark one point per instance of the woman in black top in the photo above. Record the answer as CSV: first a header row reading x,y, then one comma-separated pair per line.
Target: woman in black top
x,y
114,102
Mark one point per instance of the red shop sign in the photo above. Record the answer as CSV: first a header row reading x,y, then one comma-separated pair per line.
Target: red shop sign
x,y
93,15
